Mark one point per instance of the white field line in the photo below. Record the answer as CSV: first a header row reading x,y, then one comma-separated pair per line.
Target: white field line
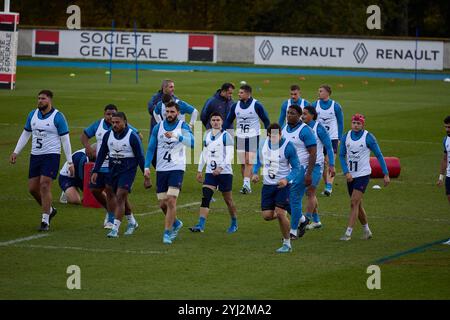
x,y
37,236
159,210
95,250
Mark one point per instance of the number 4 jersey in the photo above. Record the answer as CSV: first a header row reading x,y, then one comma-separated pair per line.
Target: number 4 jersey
x,y
171,153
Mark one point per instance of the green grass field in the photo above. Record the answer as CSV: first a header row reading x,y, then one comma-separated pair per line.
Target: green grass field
x,y
405,117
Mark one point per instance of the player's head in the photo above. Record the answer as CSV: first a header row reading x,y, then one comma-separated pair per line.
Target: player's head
x,y
324,91
44,99
293,115
226,90
358,121
216,120
166,98
168,86
119,121
309,113
295,92
172,111
447,125
274,132
110,109
245,92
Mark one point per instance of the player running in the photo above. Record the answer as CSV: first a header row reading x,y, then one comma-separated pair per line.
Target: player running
x,y
48,129
323,140
354,155
304,141
169,138
124,149
280,166
217,155
445,163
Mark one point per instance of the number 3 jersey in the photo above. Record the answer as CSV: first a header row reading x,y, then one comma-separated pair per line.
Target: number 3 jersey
x,y
358,155
217,152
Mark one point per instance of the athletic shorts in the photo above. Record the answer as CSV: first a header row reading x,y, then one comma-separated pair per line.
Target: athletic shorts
x,y
317,175
166,179
123,180
272,196
44,165
359,184
102,178
447,185
334,144
68,182
249,144
224,182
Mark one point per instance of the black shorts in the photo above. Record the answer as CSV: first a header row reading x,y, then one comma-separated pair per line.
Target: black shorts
x,y
359,183
334,144
44,165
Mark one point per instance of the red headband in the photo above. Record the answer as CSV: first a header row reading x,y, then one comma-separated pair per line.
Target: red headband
x,y
359,117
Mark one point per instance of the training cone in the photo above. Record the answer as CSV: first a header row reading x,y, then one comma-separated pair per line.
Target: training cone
x,y
392,163
88,198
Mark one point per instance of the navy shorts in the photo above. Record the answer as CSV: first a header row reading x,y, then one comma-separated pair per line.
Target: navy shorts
x,y
334,144
166,179
44,165
249,144
68,182
223,181
447,185
122,180
359,184
102,179
272,196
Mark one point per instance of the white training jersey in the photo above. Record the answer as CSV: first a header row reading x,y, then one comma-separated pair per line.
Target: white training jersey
x,y
120,148
215,153
45,137
302,151
181,117
275,164
358,155
328,119
171,153
65,169
99,134
447,147
247,121
320,157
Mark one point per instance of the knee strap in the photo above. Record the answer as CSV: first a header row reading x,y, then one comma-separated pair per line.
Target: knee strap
x,y
207,195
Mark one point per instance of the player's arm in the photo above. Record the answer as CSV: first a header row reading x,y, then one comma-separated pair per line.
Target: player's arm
x,y
292,157
87,134
340,119
23,139
151,149
443,169
136,145
201,162
372,144
259,161
186,137
309,139
151,104
157,112
282,117
230,118
262,113
229,149
63,131
102,153
326,141
187,108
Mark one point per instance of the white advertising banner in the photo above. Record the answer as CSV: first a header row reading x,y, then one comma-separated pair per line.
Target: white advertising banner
x,y
354,53
85,44
8,49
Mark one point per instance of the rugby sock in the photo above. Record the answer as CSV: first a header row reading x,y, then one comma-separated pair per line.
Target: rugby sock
x,y
131,219
233,221
167,232
116,224
287,242
46,218
328,186
176,223
309,216
366,227
348,233
302,219
247,182
201,222
293,231
110,217
315,217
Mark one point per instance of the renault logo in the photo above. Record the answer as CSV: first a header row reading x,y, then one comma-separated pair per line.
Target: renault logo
x,y
265,50
360,52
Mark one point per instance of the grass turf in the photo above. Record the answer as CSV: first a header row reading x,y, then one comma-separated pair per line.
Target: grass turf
x,y
405,117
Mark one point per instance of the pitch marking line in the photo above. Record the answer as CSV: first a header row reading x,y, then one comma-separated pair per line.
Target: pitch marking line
x,y
37,236
159,210
410,251
94,250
